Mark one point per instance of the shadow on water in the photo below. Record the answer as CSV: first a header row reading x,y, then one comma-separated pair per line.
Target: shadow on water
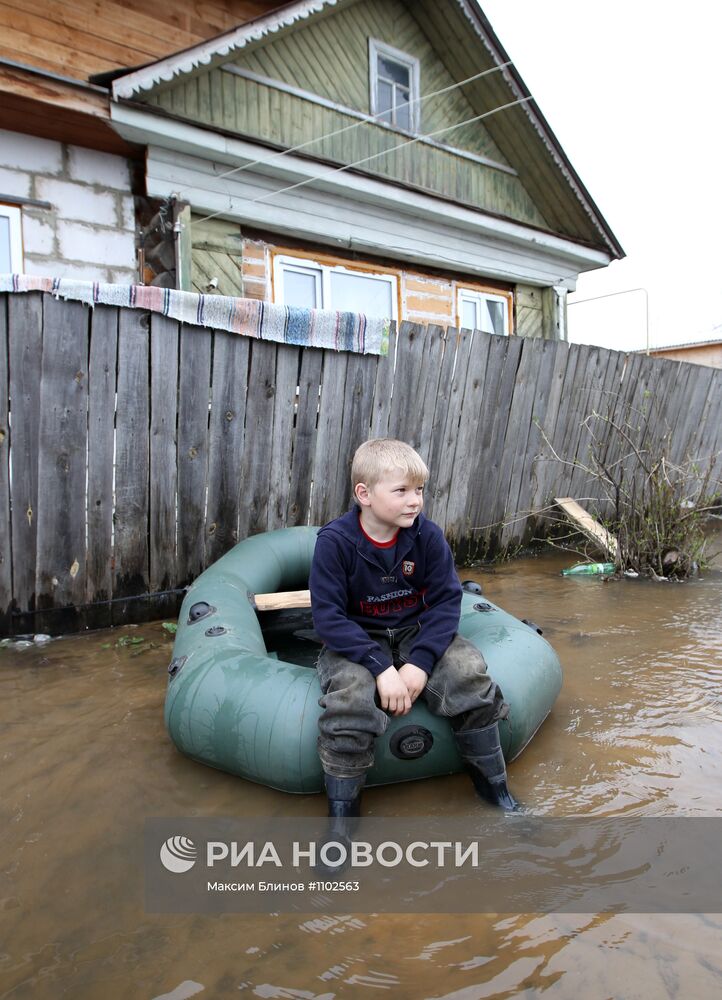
x,y
85,759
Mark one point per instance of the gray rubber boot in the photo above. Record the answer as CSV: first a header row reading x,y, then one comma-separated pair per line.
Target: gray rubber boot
x,y
481,752
344,809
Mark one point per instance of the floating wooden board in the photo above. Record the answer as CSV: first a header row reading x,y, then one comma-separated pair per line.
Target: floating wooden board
x,y
283,599
586,523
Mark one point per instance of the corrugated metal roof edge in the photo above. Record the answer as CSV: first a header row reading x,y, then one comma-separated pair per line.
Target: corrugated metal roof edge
x,y
680,347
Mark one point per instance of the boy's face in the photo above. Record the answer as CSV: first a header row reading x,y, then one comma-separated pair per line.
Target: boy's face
x,y
393,502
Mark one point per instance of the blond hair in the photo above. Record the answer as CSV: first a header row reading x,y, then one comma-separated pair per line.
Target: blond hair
x,y
380,456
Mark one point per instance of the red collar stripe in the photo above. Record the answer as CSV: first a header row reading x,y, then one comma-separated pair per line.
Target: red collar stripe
x,y
379,545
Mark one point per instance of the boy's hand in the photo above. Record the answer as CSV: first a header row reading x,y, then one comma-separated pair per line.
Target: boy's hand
x,y
393,693
414,678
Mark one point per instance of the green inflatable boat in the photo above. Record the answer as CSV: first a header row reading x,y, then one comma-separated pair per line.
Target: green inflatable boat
x,y
243,692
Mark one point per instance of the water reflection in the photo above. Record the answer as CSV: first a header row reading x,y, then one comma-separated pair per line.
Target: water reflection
x,y
85,758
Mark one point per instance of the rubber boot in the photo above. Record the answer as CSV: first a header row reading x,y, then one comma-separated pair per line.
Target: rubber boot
x,y
481,752
344,809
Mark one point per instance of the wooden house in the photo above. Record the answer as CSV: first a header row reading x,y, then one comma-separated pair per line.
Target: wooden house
x,y
371,155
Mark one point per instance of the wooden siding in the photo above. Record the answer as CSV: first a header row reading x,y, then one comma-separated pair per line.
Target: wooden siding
x,y
513,133
114,498
253,109
217,257
78,38
329,57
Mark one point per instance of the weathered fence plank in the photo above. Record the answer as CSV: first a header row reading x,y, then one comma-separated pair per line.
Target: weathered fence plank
x,y
330,492
438,406
521,416
259,434
163,452
703,428
442,459
304,441
25,333
488,505
131,573
193,403
582,482
356,417
384,388
225,450
469,466
60,568
6,573
281,444
543,462
416,381
524,484
101,434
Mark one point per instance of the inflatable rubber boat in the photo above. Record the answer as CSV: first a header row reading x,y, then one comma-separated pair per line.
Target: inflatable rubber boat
x,y
243,692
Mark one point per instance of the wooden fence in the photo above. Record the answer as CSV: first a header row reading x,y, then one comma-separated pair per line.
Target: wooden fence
x,y
135,451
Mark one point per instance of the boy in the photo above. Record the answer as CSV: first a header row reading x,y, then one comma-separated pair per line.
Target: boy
x,y
386,602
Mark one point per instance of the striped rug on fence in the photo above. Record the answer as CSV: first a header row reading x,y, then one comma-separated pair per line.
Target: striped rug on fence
x,y
337,331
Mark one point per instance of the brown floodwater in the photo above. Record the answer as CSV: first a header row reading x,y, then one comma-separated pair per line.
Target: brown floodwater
x,y
85,759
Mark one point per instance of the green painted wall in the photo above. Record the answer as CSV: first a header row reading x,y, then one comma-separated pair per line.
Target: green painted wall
x,y
329,57
217,256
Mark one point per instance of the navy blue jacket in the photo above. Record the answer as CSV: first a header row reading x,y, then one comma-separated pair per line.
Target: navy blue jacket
x,y
352,590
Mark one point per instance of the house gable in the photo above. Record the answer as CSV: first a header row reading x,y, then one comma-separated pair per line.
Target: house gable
x,y
257,93
546,187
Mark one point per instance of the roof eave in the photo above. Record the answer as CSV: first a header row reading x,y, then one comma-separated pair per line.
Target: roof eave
x,y
215,49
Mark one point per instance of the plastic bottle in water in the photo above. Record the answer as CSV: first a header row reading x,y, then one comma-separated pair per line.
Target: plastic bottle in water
x,y
590,569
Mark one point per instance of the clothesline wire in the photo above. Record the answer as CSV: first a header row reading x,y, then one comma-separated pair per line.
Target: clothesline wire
x,y
366,121
373,156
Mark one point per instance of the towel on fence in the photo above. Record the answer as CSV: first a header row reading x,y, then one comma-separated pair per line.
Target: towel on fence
x,y
338,331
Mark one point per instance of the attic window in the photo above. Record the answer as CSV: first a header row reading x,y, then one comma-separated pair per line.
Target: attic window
x,y
394,81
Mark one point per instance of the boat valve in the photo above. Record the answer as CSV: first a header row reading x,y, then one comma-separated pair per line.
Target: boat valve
x,y
216,630
411,742
483,606
200,610
532,625
175,666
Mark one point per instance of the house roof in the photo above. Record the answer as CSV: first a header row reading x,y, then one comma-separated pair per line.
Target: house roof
x,y
466,43
712,342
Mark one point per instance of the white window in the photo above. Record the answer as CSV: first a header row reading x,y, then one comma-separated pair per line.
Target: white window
x,y
394,82
11,242
485,311
312,285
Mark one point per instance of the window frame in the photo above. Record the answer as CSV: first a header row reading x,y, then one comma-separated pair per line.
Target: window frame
x,y
325,267
14,215
378,48
479,293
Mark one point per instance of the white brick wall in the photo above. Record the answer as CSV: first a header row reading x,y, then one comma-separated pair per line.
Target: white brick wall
x,y
78,201
92,167
78,242
38,236
26,152
89,229
14,182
